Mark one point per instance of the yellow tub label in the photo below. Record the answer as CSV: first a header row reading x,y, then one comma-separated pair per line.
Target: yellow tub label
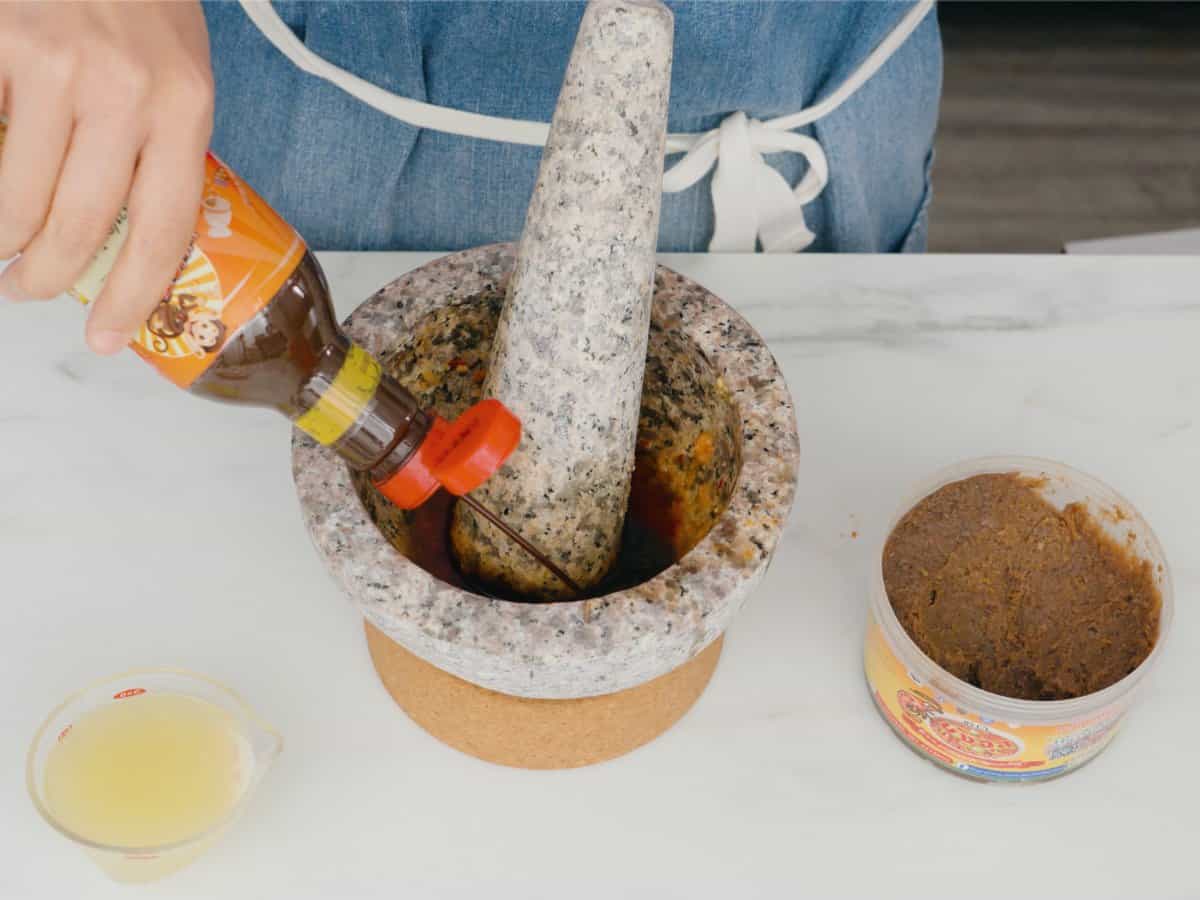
x,y
969,743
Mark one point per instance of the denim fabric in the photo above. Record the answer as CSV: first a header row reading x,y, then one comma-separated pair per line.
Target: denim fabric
x,y
351,178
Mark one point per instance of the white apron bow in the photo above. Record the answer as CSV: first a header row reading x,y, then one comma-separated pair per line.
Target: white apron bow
x,y
753,202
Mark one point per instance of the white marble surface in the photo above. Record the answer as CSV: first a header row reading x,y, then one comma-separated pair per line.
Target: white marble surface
x,y
140,526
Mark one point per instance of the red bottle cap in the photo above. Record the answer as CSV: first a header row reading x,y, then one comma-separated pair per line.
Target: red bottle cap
x,y
459,456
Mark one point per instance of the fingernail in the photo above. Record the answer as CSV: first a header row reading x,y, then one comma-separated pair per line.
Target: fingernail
x,y
107,343
11,293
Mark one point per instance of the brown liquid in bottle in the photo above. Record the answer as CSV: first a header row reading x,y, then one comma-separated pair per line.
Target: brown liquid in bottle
x,y
288,357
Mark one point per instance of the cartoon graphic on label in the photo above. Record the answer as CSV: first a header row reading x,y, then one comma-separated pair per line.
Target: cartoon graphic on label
x,y
916,705
972,740
955,733
187,322
218,214
181,317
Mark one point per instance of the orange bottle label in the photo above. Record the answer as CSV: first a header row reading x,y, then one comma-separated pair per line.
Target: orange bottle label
x,y
241,255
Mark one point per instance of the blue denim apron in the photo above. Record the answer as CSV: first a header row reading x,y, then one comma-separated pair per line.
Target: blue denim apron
x,y
352,177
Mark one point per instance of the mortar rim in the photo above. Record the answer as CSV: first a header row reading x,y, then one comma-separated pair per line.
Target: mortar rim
x,y
335,517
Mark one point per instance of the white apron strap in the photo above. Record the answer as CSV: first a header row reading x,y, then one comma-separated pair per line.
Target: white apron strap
x,y
752,202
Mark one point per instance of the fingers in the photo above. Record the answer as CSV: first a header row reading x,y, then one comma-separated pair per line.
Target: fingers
x,y
163,205
107,103
39,129
91,189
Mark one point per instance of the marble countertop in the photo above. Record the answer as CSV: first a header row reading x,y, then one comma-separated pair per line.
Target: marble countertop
x,y
140,526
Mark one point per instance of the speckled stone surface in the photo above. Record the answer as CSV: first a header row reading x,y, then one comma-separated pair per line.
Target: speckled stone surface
x,y
579,648
570,347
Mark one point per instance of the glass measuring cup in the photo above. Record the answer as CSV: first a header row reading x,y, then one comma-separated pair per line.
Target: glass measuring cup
x,y
257,744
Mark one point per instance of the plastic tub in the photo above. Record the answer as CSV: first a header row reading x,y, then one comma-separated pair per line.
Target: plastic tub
x,y
982,735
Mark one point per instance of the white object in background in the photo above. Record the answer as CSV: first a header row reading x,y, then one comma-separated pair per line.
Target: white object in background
x,y
218,214
1185,241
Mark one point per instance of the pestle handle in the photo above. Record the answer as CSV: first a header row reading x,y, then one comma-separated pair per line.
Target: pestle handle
x,y
569,350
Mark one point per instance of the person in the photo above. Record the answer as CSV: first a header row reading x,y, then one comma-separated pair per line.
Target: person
x,y
115,103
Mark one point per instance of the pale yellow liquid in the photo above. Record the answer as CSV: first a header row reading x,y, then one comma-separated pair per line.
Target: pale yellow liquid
x,y
146,771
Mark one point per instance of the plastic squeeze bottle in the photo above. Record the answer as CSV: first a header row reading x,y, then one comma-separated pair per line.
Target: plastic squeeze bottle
x,y
248,320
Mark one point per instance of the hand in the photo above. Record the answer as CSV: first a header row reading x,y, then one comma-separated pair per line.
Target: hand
x,y
108,104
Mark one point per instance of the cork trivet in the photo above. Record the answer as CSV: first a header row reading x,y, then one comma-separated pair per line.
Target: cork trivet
x,y
537,734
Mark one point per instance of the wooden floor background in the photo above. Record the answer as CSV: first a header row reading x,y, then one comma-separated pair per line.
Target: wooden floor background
x,y
1064,121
